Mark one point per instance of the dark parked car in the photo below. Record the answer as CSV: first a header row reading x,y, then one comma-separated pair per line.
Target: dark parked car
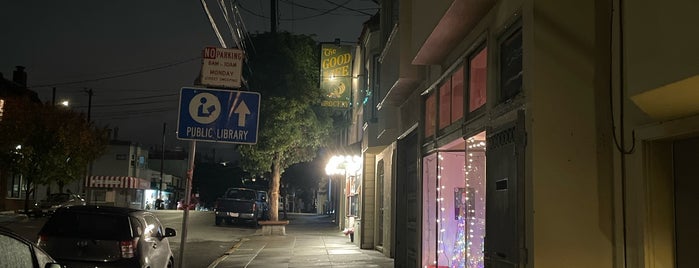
x,y
16,251
104,236
55,201
241,204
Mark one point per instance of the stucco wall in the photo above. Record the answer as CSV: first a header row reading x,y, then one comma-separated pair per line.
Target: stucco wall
x,y
571,210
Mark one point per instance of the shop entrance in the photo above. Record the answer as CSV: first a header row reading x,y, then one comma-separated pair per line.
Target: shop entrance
x,y
685,155
453,208
406,203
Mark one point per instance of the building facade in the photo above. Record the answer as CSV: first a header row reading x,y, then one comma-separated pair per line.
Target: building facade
x,y
529,133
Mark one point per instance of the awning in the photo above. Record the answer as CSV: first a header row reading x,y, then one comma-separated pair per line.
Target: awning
x,y
125,182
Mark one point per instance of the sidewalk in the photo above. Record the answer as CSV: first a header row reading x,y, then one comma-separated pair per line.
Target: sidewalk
x,y
311,241
11,216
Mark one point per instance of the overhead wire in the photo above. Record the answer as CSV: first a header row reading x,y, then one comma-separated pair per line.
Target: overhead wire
x,y
322,13
213,23
116,76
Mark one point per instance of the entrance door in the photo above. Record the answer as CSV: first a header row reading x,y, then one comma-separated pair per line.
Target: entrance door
x,y
685,155
406,205
505,197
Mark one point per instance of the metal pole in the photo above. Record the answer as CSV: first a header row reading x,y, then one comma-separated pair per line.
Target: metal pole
x,y
188,191
162,161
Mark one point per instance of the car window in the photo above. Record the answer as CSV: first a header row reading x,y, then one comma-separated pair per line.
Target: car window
x,y
153,226
240,194
42,257
14,253
88,225
58,197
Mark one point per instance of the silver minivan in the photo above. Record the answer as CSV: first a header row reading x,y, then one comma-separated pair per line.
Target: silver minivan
x,y
104,236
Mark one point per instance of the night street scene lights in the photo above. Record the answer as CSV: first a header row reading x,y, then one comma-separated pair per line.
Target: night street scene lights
x,y
343,164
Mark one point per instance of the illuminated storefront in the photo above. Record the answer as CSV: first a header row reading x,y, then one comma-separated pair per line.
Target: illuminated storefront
x,y
454,204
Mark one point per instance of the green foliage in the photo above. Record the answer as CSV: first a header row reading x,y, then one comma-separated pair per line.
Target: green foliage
x,y
284,69
56,144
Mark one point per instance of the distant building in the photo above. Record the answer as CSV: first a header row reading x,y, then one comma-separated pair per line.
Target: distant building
x,y
12,186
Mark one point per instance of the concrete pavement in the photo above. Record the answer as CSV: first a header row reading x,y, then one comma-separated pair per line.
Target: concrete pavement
x,y
310,241
11,216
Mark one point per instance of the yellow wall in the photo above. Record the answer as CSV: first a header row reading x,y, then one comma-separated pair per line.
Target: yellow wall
x,y
572,209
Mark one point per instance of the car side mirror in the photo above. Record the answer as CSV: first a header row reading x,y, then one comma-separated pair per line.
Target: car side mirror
x,y
169,232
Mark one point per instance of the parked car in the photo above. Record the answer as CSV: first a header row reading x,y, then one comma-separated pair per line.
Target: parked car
x,y
104,236
241,204
17,251
55,201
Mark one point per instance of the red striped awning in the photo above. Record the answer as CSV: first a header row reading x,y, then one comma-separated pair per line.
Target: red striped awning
x,y
126,182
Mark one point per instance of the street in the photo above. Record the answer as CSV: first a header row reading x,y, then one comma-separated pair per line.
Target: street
x,y
205,241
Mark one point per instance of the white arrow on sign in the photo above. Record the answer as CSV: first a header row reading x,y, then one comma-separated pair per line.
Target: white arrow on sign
x,y
242,111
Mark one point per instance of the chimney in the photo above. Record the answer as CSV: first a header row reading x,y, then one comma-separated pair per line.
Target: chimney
x,y
19,76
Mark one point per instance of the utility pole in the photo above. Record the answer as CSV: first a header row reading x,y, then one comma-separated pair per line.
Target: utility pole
x,y
89,168
162,161
89,104
273,15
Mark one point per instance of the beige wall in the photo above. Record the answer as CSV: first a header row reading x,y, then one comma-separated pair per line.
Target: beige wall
x,y
660,42
571,212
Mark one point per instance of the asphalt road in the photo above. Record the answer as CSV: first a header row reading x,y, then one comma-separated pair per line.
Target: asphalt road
x,y
205,241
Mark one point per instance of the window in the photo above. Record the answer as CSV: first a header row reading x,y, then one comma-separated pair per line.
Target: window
x,y
430,114
15,252
17,186
511,65
352,193
445,104
478,75
457,94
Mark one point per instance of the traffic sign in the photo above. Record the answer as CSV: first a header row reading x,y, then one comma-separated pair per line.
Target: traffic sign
x,y
222,67
217,115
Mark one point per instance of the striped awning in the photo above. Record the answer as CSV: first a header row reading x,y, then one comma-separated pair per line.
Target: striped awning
x,y
126,182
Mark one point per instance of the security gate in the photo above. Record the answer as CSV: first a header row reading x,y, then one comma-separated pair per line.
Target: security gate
x,y
504,241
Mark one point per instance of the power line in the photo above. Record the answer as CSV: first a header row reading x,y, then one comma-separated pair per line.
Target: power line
x,y
118,75
322,12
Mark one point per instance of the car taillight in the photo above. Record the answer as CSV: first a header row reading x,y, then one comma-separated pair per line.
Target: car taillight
x,y
42,240
127,248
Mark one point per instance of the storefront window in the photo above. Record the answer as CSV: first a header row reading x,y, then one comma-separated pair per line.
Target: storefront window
x,y
475,199
454,205
353,186
444,221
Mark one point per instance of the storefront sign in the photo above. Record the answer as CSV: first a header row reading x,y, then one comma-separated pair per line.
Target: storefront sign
x,y
335,75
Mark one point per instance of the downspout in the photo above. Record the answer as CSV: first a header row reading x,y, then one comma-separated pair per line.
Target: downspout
x,y
620,143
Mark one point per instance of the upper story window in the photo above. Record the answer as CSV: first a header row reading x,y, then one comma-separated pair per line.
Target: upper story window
x,y
430,114
511,65
478,75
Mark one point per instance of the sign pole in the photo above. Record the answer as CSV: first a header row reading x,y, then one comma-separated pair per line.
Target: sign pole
x,y
188,193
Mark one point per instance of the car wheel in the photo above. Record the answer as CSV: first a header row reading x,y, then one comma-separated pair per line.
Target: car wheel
x,y
219,220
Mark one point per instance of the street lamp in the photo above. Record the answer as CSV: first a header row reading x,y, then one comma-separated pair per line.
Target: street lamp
x,y
65,103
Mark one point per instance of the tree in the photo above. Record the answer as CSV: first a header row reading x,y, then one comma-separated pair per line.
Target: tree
x,y
284,69
47,144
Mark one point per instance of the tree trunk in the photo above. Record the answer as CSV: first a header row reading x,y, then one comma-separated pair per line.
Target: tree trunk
x,y
274,188
27,193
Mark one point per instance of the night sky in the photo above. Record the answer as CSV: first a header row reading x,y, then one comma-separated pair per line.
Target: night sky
x,y
136,55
